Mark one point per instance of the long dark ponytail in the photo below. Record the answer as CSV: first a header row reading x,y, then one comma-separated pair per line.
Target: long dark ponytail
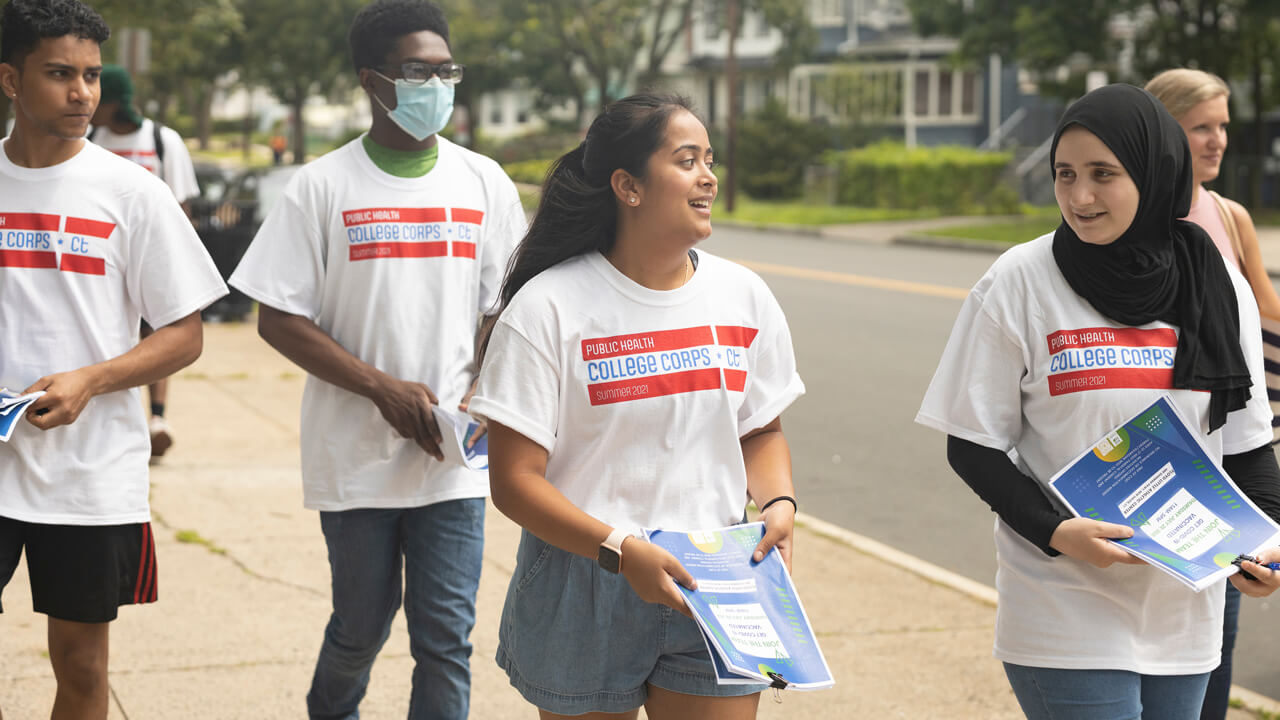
x,y
578,212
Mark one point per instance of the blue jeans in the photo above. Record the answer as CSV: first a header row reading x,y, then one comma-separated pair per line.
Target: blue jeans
x,y
1219,692
1051,694
442,548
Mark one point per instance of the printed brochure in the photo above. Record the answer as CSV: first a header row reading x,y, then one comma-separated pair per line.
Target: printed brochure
x,y
1153,474
456,427
751,618
12,407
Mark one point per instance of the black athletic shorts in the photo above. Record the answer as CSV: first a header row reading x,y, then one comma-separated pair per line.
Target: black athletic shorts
x,y
81,572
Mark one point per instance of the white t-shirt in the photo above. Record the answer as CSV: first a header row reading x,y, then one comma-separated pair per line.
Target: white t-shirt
x,y
88,247
1031,366
140,146
641,396
397,271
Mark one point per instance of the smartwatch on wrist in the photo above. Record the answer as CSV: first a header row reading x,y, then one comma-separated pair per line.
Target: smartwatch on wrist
x,y
609,557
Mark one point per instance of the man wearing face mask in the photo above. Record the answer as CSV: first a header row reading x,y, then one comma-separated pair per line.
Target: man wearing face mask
x,y
375,273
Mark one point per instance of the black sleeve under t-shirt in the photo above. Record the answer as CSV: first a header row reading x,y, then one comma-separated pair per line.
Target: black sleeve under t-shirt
x,y
1258,477
1022,504
1016,498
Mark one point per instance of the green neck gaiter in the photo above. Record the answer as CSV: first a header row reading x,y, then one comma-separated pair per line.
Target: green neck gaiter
x,y
402,163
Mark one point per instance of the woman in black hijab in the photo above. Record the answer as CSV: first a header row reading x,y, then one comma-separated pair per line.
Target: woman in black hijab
x,y
1066,337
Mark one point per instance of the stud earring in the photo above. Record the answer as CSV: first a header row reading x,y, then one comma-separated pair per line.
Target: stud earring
x,y
633,200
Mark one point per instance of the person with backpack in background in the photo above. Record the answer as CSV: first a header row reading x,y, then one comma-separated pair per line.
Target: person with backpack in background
x,y
120,128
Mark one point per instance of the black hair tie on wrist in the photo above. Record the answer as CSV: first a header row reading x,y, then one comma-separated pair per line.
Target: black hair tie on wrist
x,y
788,498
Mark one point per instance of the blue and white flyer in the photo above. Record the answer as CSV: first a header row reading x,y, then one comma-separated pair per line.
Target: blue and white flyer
x,y
1152,474
750,614
455,428
12,407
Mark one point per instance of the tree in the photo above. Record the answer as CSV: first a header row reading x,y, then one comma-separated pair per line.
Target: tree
x,y
297,51
191,49
192,44
791,18
480,38
671,19
1041,36
604,37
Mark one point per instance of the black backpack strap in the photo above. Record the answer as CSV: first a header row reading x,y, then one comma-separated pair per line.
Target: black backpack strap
x,y
156,127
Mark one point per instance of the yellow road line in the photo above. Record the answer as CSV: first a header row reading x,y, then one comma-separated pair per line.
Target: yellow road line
x,y
859,280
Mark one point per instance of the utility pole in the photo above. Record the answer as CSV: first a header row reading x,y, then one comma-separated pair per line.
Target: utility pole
x,y
731,128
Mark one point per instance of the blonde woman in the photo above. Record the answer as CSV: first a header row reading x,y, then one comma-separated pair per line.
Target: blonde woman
x,y
1198,101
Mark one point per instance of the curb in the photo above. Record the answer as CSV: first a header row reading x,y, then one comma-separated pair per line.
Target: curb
x,y
951,243
986,246
904,561
808,230
984,594
1255,702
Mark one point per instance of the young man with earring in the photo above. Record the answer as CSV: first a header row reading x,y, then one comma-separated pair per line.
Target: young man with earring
x,y
92,245
375,273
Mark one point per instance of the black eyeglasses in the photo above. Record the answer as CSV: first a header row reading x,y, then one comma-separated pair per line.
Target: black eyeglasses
x,y
417,73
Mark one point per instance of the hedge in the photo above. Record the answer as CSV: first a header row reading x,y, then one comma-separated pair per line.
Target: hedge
x,y
773,150
532,172
951,179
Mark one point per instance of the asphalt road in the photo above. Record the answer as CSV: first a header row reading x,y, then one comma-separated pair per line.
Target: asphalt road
x,y
869,322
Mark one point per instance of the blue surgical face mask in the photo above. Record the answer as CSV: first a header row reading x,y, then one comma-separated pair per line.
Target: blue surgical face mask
x,y
421,110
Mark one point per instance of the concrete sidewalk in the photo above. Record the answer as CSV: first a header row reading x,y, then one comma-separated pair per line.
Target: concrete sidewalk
x,y
244,589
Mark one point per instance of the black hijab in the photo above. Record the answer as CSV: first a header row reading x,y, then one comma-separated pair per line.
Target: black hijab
x,y
1161,268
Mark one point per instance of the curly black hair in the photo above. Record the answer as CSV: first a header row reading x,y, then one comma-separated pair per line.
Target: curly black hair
x,y
379,25
24,23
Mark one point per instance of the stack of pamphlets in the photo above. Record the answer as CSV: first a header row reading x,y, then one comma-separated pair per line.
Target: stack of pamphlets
x,y
751,618
1153,474
457,427
12,407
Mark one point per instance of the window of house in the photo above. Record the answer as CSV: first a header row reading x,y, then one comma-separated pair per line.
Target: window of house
x,y
920,105
969,94
711,23
826,12
945,78
762,27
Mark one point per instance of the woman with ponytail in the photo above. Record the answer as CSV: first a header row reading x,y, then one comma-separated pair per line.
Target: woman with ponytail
x,y
631,382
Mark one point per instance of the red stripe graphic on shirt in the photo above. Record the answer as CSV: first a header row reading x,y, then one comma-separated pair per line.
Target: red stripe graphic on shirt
x,y
464,249
1064,383
365,216
29,259
369,251
146,559
92,228
735,335
1102,358
735,380
635,366
29,221
83,264
464,215
600,348
654,386
1104,336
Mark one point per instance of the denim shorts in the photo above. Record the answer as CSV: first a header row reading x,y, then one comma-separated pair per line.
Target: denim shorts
x,y
576,639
